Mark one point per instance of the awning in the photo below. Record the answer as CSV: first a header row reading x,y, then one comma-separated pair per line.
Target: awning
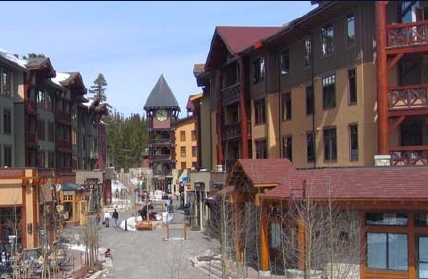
x,y
72,187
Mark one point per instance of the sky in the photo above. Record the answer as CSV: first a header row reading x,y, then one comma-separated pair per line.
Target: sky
x,y
132,43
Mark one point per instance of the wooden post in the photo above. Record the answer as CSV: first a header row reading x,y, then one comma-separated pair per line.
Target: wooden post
x,y
264,249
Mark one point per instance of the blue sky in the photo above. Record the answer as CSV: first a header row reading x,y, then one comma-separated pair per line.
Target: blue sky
x,y
132,43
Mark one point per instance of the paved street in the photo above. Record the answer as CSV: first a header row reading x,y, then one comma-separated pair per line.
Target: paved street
x,y
145,254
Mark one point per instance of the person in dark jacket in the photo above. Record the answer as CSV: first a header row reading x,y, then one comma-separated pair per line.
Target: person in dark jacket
x,y
115,217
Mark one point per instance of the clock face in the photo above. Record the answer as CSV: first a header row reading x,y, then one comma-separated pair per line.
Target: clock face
x,y
161,115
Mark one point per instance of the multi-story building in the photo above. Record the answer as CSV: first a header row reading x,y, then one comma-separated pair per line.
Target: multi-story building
x,y
318,91
333,88
38,145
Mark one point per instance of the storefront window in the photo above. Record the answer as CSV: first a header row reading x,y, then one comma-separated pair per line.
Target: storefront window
x,y
387,251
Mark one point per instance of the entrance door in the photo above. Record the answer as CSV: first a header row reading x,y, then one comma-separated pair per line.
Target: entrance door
x,y
422,261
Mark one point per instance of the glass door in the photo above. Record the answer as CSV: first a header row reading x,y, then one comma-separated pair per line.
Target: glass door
x,y
422,257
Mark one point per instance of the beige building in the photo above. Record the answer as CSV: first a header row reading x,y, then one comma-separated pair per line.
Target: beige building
x,y
186,150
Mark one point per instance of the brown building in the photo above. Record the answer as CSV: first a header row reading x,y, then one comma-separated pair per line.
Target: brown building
x,y
334,88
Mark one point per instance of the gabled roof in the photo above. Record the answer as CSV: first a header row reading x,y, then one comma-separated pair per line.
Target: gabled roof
x,y
12,60
355,183
72,80
161,96
261,172
231,40
41,64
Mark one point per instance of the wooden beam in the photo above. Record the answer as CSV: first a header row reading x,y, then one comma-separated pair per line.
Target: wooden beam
x,y
395,124
394,61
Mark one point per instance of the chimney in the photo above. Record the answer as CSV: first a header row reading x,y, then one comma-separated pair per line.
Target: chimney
x,y
382,160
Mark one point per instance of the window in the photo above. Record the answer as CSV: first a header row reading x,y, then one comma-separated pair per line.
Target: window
x,y
327,39
286,106
261,149
352,86
285,62
193,135
275,231
51,159
329,92
7,121
194,151
330,145
287,148
310,100
7,159
353,142
387,251
259,69
183,135
51,133
194,164
183,151
308,52
350,39
183,165
5,83
259,111
41,131
387,218
310,147
41,159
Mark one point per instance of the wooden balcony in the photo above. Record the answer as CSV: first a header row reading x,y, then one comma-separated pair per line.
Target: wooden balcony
x,y
409,155
30,106
230,94
408,97
233,131
63,117
31,138
63,144
409,34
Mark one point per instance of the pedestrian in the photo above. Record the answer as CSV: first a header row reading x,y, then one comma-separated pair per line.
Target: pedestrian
x,y
107,218
97,219
115,217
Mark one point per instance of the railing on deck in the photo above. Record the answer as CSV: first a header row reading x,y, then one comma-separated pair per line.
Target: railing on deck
x,y
409,155
407,34
409,96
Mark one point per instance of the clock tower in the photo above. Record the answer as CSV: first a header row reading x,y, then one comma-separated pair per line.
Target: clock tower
x,y
162,111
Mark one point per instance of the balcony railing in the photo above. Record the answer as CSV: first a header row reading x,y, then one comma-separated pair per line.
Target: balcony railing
x,y
410,96
233,131
63,144
31,138
409,155
30,106
230,94
63,116
407,34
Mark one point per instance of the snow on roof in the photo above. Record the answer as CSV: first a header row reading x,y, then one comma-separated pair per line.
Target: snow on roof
x,y
60,77
13,58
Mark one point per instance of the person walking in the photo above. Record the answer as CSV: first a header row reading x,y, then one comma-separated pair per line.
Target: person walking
x,y
107,218
115,218
98,219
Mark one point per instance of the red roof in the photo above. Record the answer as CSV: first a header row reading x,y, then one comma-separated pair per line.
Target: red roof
x,y
238,38
355,183
231,40
263,171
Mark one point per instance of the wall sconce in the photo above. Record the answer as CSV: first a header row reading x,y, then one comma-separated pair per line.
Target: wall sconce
x,y
30,228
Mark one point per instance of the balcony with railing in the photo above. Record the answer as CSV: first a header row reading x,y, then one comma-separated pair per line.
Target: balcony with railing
x,y
62,116
407,34
31,138
230,94
31,106
63,144
409,155
407,97
233,131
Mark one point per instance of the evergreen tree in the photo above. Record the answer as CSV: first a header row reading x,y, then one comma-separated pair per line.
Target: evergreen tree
x,y
99,88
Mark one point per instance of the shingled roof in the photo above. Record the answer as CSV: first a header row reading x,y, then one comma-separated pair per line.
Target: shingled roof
x,y
355,183
161,96
343,183
231,40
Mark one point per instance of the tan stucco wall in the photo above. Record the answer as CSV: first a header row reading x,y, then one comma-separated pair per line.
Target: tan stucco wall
x,y
187,126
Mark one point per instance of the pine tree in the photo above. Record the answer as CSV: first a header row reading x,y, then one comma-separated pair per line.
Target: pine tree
x,y
99,88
